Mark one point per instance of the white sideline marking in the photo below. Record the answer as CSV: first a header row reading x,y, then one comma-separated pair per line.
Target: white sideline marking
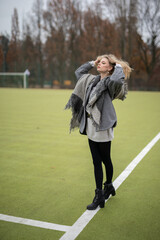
x,y
73,231
34,223
84,219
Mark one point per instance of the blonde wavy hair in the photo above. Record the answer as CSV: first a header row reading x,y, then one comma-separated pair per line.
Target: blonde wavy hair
x,y
113,60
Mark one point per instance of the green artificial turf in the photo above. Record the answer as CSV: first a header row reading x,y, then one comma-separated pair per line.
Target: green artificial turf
x,y
46,173
134,213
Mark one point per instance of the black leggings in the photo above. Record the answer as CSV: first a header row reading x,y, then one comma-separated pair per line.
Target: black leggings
x,y
101,153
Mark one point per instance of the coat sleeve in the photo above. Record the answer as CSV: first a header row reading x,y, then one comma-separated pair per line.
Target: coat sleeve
x,y
83,69
115,83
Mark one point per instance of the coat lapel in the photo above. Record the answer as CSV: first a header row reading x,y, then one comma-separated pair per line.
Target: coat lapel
x,y
90,87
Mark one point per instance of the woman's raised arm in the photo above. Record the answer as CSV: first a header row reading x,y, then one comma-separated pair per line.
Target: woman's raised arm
x,y
116,81
84,69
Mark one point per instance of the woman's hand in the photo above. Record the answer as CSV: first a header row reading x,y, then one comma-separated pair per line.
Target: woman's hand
x,y
118,65
96,61
92,63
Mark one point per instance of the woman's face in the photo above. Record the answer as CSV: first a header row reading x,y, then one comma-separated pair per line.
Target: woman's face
x,y
104,66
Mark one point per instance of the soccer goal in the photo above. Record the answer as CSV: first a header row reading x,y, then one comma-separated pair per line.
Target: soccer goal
x,y
14,79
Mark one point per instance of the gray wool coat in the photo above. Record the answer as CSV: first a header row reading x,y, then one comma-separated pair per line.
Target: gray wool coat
x,y
114,89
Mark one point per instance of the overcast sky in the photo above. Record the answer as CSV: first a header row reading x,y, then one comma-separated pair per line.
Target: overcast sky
x,y
6,11
23,7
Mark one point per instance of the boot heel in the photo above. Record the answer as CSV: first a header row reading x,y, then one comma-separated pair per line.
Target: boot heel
x,y
113,193
102,204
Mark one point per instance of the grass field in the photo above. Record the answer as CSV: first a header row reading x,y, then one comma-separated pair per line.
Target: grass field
x,y
46,173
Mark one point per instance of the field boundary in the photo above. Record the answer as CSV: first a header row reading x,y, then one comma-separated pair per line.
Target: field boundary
x,y
71,232
34,223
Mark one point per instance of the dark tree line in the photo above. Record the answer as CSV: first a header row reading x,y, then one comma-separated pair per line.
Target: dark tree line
x,y
56,40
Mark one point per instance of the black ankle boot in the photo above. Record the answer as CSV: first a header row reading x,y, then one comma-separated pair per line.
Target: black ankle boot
x,y
109,189
98,200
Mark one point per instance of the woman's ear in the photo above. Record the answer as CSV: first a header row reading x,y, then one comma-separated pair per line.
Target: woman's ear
x,y
111,68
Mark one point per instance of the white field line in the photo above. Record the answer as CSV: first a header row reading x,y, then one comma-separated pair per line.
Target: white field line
x,y
84,219
34,223
73,231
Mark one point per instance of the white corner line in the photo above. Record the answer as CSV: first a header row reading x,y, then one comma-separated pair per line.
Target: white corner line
x,y
86,217
34,223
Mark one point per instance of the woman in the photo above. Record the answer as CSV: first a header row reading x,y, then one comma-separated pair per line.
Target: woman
x,y
94,114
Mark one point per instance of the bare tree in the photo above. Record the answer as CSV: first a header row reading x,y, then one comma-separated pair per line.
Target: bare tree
x,y
4,49
119,10
132,27
29,52
14,45
149,38
15,26
37,23
62,21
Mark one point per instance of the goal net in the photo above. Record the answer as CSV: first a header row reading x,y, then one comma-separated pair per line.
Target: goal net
x,y
18,80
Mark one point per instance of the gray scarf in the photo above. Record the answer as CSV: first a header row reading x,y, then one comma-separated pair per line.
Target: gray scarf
x,y
77,101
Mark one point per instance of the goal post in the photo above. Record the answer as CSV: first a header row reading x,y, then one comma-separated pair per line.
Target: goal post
x,y
14,74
